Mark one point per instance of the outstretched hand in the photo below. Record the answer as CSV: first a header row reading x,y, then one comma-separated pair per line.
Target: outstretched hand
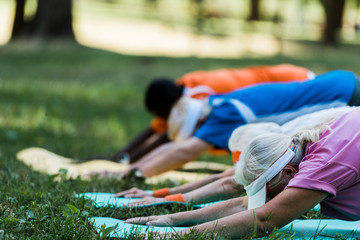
x,y
146,201
133,193
161,221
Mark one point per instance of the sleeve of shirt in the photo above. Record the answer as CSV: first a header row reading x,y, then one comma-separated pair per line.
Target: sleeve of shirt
x,y
329,178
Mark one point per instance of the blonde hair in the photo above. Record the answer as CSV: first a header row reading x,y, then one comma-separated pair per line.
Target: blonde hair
x,y
313,120
259,155
264,150
242,135
320,122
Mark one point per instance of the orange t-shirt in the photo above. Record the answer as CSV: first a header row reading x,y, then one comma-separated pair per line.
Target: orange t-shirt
x,y
227,80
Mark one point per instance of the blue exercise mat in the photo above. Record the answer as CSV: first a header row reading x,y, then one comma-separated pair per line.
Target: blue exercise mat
x,y
324,228
302,229
105,199
123,230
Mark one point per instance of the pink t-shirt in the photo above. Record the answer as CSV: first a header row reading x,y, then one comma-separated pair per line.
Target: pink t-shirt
x,y
332,164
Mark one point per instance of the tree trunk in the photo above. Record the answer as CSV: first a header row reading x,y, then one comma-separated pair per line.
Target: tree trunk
x,y
19,17
254,10
53,20
200,12
334,10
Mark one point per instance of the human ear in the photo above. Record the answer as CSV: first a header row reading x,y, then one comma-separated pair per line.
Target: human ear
x,y
277,184
288,172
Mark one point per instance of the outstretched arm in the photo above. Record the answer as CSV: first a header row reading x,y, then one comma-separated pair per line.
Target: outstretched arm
x,y
281,210
171,156
232,218
188,218
224,188
156,140
188,187
142,144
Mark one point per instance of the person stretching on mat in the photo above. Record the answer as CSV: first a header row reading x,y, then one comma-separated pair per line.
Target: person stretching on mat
x,y
212,188
217,116
318,165
162,93
223,186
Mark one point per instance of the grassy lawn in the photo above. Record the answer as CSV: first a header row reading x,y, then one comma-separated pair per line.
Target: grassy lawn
x,y
81,102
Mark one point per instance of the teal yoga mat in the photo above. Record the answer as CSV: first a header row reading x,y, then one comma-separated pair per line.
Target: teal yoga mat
x,y
124,229
105,199
324,228
302,229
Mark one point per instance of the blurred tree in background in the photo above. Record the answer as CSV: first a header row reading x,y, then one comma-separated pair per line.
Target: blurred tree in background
x,y
332,23
254,10
334,11
52,20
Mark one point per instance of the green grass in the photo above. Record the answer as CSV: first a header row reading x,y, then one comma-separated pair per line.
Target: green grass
x,y
81,102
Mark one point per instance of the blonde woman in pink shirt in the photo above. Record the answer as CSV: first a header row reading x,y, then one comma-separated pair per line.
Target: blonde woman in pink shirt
x,y
285,177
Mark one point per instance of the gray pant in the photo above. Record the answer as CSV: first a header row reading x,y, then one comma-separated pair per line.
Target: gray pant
x,y
355,98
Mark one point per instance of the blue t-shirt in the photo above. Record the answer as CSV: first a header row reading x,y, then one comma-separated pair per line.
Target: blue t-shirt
x,y
274,102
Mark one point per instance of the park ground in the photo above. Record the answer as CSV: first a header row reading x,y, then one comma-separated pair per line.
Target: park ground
x,y
81,102
84,100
